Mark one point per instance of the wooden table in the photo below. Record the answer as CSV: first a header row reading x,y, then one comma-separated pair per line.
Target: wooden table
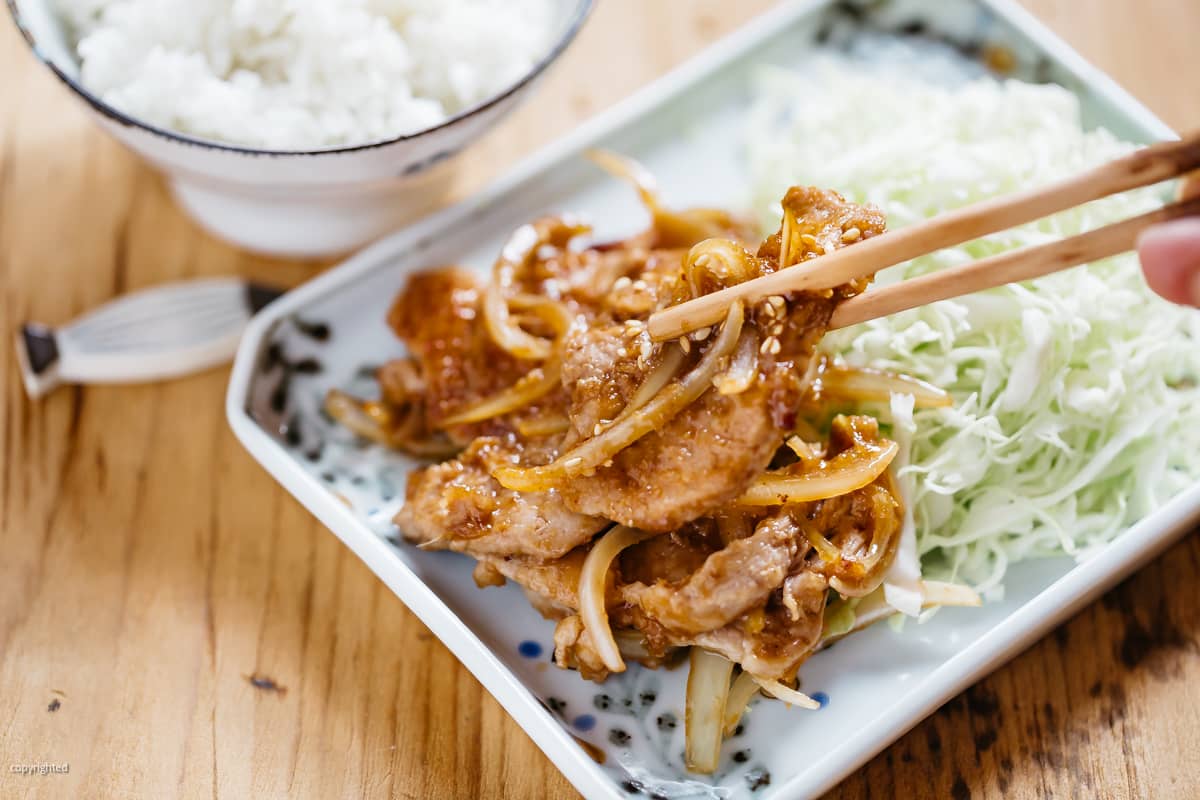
x,y
148,565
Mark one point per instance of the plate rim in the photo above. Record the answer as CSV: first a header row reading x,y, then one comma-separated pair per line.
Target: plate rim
x,y
1030,622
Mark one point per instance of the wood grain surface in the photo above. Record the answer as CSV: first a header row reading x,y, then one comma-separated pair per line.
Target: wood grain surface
x,y
148,567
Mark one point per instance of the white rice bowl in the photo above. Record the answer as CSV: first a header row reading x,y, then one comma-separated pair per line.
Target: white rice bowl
x,y
304,74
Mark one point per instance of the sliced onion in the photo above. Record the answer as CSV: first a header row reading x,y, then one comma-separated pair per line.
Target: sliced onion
x,y
434,447
543,426
859,576
520,249
823,546
851,383
593,580
940,593
534,385
651,417
806,452
656,381
842,474
874,606
743,367
632,644
671,228
707,692
366,419
628,169
786,236
786,694
744,688
723,262
404,430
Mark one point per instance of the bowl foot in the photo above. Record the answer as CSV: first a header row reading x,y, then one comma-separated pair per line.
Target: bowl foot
x,y
310,222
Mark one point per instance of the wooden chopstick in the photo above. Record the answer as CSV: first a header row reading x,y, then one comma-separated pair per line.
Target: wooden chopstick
x,y
1147,166
1012,267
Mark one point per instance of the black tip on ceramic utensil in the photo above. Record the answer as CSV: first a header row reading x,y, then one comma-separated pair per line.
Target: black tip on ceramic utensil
x,y
259,296
40,347
37,353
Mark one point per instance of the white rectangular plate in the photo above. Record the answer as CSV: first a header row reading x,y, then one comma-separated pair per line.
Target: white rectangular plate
x,y
686,129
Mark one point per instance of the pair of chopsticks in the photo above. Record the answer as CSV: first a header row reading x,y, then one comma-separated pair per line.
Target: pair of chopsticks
x,y
1144,167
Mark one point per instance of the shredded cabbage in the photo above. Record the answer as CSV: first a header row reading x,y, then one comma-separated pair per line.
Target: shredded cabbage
x,y
1076,409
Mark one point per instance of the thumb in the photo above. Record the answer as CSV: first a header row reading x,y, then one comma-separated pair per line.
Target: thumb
x,y
1170,256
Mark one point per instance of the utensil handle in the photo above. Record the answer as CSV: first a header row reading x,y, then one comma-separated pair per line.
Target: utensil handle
x,y
155,334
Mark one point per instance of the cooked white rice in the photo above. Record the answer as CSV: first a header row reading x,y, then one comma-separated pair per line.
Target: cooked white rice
x,y
304,74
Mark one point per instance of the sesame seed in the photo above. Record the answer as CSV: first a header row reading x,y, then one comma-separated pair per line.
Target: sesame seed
x,y
639,285
777,302
701,334
608,463
685,345
573,462
623,282
775,346
777,329
765,347
770,345
597,429
851,235
808,239
769,311
623,353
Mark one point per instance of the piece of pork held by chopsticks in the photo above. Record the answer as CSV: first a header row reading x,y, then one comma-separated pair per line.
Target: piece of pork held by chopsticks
x,y
663,440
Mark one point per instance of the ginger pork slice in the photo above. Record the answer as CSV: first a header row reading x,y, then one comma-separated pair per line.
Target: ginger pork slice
x,y
708,454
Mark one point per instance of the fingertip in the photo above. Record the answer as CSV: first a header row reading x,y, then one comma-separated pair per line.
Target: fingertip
x,y
1170,255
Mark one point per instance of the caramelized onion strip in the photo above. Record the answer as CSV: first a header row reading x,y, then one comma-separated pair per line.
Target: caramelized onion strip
x,y
856,384
366,419
656,381
717,263
874,607
858,576
543,426
532,386
786,694
377,422
743,367
842,474
707,695
593,581
787,231
941,593
743,690
515,257
671,228
535,384
632,171
677,396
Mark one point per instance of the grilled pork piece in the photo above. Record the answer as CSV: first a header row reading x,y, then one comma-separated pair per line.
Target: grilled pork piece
x,y
759,600
458,505
437,317
707,455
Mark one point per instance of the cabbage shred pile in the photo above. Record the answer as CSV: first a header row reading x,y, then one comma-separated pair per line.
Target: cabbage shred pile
x,y
1076,409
